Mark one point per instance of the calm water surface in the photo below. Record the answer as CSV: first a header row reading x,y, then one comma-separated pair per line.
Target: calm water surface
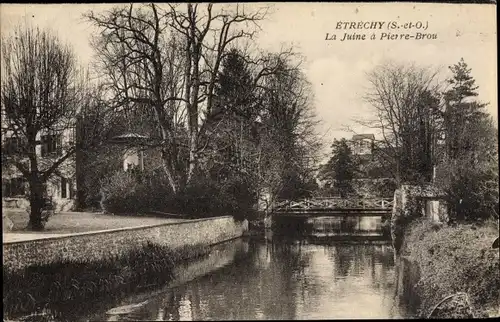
x,y
272,279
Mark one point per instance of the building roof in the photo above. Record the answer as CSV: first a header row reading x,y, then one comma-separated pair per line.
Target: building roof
x,y
363,136
128,137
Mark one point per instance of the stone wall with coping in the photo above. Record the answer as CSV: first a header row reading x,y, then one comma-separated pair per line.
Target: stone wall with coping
x,y
411,202
102,245
431,199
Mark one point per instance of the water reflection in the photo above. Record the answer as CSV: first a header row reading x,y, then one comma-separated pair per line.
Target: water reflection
x,y
278,279
332,226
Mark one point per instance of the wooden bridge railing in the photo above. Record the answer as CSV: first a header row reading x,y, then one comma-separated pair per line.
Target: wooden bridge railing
x,y
334,204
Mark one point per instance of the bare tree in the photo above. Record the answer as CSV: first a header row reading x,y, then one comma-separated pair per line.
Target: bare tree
x,y
405,102
169,59
207,36
40,96
137,58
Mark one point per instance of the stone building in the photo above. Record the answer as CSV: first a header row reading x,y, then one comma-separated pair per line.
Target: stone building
x,y
362,144
133,154
51,146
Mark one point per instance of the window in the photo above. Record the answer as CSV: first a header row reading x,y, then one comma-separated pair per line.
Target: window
x,y
51,144
14,187
71,190
13,145
72,135
64,185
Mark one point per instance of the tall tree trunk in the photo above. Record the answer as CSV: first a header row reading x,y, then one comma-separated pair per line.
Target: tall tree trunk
x,y
192,154
36,187
36,202
398,172
169,169
193,122
81,162
81,190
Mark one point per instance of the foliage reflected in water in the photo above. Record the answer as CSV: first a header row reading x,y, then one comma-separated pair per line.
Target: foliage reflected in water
x,y
284,279
344,226
258,278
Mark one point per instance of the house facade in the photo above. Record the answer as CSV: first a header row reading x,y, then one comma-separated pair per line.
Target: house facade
x,y
51,146
362,144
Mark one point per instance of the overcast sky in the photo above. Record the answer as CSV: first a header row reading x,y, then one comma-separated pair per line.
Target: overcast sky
x,y
336,69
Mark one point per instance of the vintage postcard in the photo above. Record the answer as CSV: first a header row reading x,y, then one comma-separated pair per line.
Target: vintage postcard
x,y
248,161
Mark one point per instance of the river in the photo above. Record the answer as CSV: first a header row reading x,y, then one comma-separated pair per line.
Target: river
x,y
272,278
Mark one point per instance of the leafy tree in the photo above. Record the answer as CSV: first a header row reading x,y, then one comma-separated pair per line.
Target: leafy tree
x,y
93,126
233,141
289,144
463,84
470,180
342,167
261,131
231,157
460,109
419,159
293,186
470,171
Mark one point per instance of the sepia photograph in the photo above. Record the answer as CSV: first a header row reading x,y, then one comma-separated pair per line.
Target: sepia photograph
x,y
249,161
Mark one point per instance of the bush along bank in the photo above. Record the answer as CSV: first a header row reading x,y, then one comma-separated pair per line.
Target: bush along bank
x,y
75,286
141,193
458,268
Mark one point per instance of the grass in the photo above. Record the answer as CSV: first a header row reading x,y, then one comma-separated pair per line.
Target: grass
x,y
455,259
75,222
76,285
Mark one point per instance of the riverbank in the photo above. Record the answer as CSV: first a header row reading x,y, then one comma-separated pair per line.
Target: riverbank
x,y
41,289
264,279
454,259
79,267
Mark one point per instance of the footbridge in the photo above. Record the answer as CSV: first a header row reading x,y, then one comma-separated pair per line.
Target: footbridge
x,y
334,218
334,207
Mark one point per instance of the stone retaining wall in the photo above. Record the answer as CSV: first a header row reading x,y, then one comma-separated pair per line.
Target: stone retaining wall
x,y
411,202
106,244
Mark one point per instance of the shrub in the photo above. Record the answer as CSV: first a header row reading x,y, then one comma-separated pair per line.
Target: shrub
x,y
96,162
154,191
207,198
199,199
241,197
374,188
455,259
120,193
471,191
385,187
136,192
